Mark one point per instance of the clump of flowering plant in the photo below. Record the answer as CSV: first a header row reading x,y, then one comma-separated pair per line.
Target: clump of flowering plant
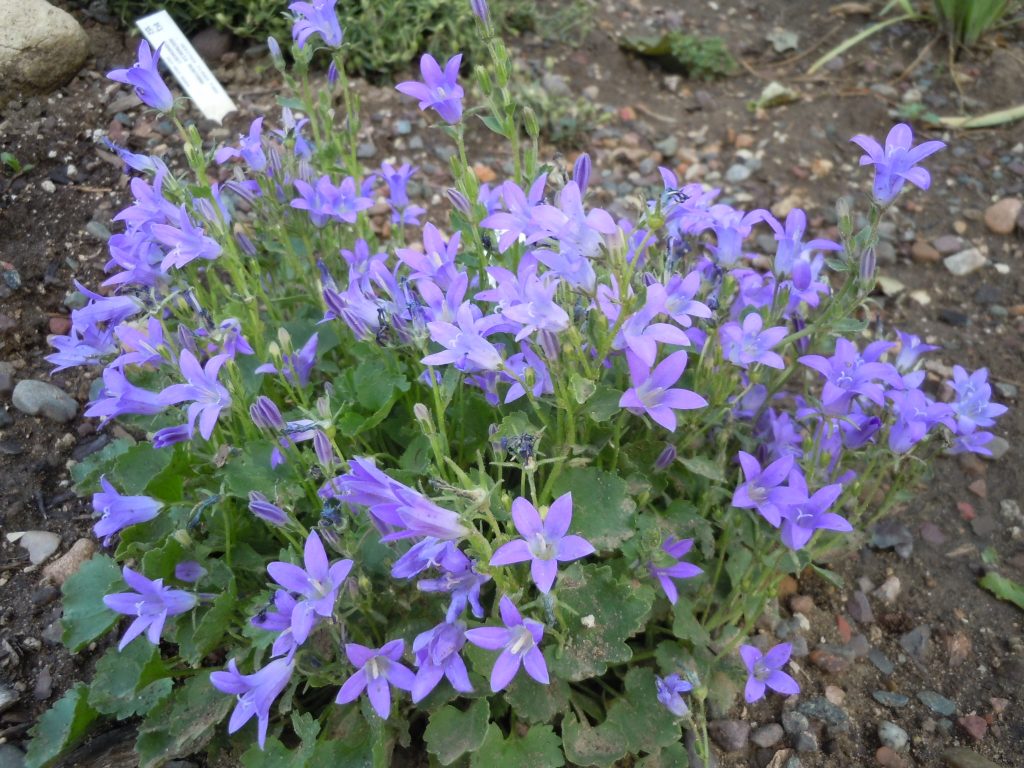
x,y
523,483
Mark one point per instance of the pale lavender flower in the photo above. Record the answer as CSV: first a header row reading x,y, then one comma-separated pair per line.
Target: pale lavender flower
x,y
911,349
318,584
679,302
118,512
189,571
480,10
545,542
255,693
639,335
140,347
145,78
209,397
326,201
527,360
296,368
792,252
751,342
461,580
466,347
437,260
151,604
317,17
187,242
652,391
439,90
278,620
264,509
971,406
518,642
516,220
731,228
916,414
119,397
81,347
250,148
847,374
765,671
896,163
537,309
762,489
802,518
376,671
664,570
437,655
669,691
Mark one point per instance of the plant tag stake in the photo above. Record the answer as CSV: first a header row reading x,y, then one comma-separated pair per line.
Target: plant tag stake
x,y
186,65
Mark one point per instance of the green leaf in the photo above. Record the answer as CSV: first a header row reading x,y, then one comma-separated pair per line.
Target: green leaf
x,y
60,727
537,703
1004,588
582,388
377,380
129,682
453,732
618,609
602,510
137,467
201,632
603,404
831,577
736,564
159,563
183,723
86,473
705,467
250,471
277,755
539,748
685,625
672,756
585,745
85,615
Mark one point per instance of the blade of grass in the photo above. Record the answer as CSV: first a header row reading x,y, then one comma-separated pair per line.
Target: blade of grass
x,y
864,34
988,120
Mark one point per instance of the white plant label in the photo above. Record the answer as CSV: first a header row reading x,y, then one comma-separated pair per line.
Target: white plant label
x,y
186,65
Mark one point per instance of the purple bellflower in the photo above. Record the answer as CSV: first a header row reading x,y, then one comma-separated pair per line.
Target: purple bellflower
x,y
266,510
325,201
466,347
664,570
670,690
652,391
544,542
187,242
751,342
896,163
119,396
437,655
765,671
376,671
461,580
518,642
916,414
189,571
117,512
145,79
151,604
971,406
439,90
250,148
316,18
278,620
209,397
318,584
517,220
849,373
762,489
255,692
791,252
296,368
808,514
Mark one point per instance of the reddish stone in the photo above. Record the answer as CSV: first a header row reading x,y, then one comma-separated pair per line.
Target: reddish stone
x,y
844,628
801,604
627,113
60,325
887,757
966,510
829,662
974,726
979,488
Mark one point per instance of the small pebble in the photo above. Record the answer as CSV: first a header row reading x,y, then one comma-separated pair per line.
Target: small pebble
x,y
890,699
892,736
975,727
937,703
40,398
767,735
889,590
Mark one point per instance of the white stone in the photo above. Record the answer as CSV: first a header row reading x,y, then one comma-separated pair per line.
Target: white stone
x,y
41,48
965,262
39,545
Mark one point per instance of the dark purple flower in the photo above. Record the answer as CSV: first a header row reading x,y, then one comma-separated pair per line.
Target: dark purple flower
x,y
544,542
318,584
117,512
317,17
762,489
808,514
652,391
581,172
752,343
518,642
264,509
480,10
151,604
255,693
265,414
439,90
168,436
208,396
765,671
665,570
145,79
437,655
897,162
669,690
376,671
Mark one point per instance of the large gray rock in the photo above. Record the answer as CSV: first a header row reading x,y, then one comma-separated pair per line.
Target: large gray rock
x,y
40,398
41,48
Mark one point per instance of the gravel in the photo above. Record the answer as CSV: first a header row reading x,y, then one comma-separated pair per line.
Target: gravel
x,y
39,398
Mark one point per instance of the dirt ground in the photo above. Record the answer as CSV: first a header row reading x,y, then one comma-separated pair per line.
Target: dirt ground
x,y
941,633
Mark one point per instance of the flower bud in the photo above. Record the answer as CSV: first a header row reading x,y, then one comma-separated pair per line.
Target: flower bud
x,y
275,52
284,338
664,461
265,414
323,407
247,245
867,266
332,73
459,200
265,510
581,172
323,448
182,537
844,217
530,123
481,10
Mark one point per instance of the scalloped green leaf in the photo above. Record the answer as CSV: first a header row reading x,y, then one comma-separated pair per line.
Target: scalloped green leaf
x,y
605,611
586,745
277,755
130,682
85,615
539,748
602,509
200,632
537,703
183,723
60,728
453,732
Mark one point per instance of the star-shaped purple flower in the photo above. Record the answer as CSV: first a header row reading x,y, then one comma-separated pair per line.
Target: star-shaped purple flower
x,y
751,342
765,671
801,519
376,671
151,604
518,642
896,163
544,542
145,79
209,397
439,90
316,18
762,489
670,690
437,655
466,347
665,571
317,584
117,512
255,692
652,391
